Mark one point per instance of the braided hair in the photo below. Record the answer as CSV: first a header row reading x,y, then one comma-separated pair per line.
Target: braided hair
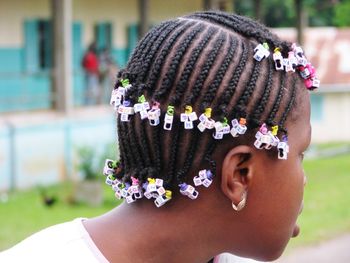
x,y
204,60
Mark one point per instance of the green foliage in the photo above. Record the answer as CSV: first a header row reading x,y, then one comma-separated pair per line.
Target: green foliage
x,y
342,14
283,14
90,160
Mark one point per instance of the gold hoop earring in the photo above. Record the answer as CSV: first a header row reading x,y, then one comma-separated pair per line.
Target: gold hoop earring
x,y
241,204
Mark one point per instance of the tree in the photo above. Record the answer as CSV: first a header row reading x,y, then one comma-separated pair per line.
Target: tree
x,y
342,11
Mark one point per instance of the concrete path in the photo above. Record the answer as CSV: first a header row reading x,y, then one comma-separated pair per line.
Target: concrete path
x,y
333,251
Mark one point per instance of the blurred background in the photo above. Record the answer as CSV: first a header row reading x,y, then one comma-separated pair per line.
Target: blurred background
x,y
58,60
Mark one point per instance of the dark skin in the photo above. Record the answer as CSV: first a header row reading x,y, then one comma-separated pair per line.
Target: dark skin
x,y
185,230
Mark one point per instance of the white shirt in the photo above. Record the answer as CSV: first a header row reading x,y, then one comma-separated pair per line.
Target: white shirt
x,y
70,242
64,243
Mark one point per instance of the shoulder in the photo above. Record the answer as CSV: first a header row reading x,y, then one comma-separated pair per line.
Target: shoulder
x,y
56,243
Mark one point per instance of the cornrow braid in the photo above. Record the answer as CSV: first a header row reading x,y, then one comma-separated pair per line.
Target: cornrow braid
x,y
270,120
260,104
173,68
239,109
244,26
205,70
187,72
161,57
230,90
219,75
289,107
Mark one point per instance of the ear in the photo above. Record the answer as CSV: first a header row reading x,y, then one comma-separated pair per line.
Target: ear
x,y
237,171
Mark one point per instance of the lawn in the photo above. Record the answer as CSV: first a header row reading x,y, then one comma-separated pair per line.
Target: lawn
x,y
326,212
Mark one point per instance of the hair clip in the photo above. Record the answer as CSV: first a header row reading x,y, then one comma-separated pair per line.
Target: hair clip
x,y
125,83
238,127
188,190
188,117
273,135
154,114
277,57
135,190
118,187
291,62
110,166
312,83
204,177
205,120
261,51
126,110
116,98
142,107
169,118
221,128
263,140
307,71
283,148
299,54
119,93
162,199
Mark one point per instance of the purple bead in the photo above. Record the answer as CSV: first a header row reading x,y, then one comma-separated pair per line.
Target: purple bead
x,y
183,186
209,175
126,103
144,185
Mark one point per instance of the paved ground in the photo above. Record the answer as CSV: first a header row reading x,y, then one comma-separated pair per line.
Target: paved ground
x,y
333,251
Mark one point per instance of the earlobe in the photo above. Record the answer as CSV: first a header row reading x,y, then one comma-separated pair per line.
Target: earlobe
x,y
237,170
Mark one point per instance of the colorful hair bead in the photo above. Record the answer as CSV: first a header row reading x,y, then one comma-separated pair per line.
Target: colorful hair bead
x,y
188,190
125,83
169,118
142,107
204,177
188,117
261,51
299,54
154,114
277,57
263,140
221,128
162,199
283,148
126,110
238,127
205,120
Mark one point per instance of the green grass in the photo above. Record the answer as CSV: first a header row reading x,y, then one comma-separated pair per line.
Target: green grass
x,y
326,212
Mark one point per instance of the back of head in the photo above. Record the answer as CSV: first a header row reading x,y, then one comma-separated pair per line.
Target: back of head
x,y
203,63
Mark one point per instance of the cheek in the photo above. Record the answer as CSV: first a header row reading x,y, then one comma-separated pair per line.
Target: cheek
x,y
278,204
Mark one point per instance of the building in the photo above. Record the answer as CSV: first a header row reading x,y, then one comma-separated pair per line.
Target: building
x,y
328,50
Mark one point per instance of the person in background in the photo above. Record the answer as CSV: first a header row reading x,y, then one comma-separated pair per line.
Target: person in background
x,y
90,65
108,70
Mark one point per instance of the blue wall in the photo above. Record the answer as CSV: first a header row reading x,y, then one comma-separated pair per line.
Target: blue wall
x,y
45,153
25,86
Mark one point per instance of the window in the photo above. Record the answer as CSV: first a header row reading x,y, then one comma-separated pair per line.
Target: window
x,y
317,107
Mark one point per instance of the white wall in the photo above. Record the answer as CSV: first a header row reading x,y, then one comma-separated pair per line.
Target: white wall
x,y
120,12
335,124
12,16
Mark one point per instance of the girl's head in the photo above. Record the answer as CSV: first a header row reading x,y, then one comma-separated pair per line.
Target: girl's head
x,y
207,63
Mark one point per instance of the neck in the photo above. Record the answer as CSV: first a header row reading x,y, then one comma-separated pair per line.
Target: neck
x,y
142,233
